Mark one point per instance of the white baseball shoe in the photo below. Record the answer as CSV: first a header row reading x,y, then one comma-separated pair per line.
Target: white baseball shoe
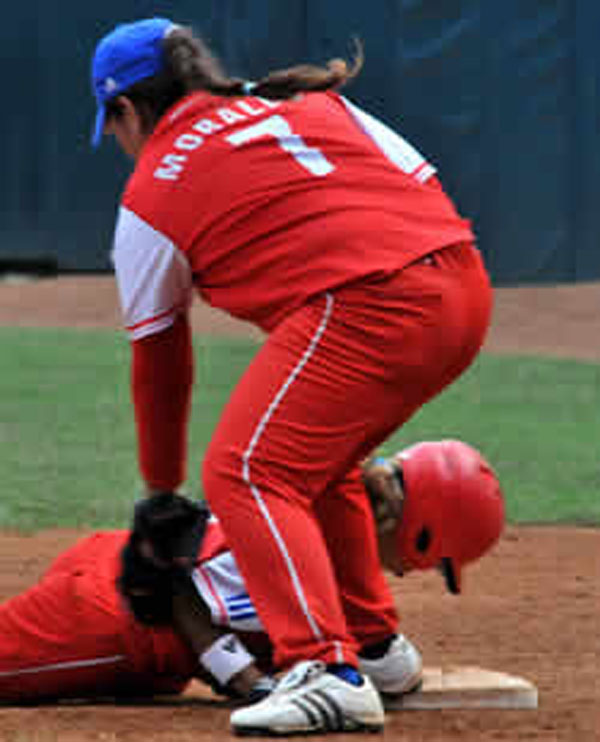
x,y
399,671
308,699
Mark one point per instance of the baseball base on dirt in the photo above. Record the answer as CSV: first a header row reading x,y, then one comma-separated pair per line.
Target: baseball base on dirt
x,y
465,687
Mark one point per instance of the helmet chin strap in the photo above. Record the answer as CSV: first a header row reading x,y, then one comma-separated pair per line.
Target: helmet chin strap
x,y
447,570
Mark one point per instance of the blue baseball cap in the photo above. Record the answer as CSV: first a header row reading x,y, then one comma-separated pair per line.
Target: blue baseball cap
x,y
128,54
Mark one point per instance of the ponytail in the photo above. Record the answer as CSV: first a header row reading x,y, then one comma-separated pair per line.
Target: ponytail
x,y
190,65
191,62
305,78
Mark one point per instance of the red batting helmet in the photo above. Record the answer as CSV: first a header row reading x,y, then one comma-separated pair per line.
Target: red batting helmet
x,y
454,508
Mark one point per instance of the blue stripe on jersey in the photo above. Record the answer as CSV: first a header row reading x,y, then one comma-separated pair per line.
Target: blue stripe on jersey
x,y
238,604
242,616
237,608
242,597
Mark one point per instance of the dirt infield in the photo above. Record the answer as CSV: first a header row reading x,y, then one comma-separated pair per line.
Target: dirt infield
x,y
531,608
560,321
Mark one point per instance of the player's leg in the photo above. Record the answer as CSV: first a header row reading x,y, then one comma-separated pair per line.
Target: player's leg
x,y
262,471
316,412
433,322
367,601
332,380
391,660
311,403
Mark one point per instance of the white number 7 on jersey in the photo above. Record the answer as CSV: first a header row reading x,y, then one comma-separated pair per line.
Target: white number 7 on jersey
x,y
311,158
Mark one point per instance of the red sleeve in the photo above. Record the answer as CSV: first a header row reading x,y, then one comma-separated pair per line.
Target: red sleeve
x,y
161,378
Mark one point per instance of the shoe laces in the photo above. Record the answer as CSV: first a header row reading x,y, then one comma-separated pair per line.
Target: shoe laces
x,y
262,688
301,674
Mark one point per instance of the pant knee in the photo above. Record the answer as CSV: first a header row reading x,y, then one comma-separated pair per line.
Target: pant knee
x,y
222,473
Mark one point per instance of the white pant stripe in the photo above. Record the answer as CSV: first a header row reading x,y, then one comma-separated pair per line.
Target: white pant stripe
x,y
73,665
252,445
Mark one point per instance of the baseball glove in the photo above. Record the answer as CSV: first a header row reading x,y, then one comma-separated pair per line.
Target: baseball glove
x,y
160,554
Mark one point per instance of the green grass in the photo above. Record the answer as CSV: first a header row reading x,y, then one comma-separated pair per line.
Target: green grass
x,y
67,439
538,423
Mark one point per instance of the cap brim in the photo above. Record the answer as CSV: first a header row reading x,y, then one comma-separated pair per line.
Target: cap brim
x,y
451,575
99,126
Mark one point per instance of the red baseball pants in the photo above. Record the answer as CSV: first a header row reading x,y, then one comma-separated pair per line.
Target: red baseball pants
x,y
331,382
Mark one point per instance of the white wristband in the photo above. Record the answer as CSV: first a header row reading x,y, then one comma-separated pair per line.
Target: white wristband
x,y
225,658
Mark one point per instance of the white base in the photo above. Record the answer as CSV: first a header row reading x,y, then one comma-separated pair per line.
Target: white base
x,y
468,687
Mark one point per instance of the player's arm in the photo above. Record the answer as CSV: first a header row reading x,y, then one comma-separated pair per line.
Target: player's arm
x,y
222,655
162,373
155,288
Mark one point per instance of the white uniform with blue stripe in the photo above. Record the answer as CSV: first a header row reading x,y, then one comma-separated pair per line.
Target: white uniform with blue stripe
x,y
219,582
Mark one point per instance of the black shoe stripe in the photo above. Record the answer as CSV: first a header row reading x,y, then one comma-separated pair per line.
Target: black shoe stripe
x,y
313,719
321,710
318,705
335,711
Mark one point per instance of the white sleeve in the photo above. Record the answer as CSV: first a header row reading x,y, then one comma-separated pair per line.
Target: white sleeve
x,y
393,146
154,278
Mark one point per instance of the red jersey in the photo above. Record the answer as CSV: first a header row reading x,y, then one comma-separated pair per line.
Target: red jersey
x,y
71,636
216,576
262,204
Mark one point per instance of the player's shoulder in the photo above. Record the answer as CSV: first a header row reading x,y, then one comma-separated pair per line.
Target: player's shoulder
x,y
329,112
105,540
157,176
91,550
326,102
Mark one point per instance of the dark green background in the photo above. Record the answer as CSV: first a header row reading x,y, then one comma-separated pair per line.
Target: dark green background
x,y
502,95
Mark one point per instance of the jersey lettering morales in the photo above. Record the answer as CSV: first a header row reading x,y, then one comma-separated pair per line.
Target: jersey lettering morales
x,y
173,164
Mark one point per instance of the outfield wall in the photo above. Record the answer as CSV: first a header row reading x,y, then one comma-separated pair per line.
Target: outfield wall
x,y
502,96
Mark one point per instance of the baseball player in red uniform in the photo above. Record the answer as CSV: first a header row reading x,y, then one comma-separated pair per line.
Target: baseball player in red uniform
x,y
71,635
284,204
